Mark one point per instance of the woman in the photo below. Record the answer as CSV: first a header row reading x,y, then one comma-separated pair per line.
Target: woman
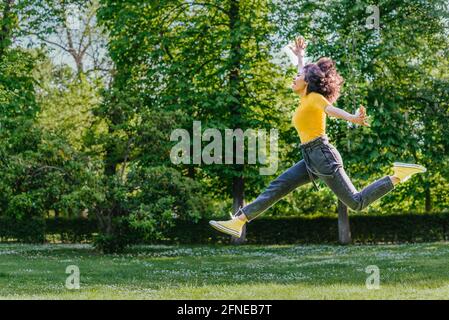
x,y
318,85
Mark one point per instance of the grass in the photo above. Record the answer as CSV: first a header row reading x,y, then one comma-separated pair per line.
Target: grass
x,y
407,271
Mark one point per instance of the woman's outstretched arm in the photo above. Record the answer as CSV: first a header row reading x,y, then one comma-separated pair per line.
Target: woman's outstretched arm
x,y
299,50
359,118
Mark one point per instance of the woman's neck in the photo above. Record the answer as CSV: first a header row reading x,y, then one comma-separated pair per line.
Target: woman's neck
x,y
302,93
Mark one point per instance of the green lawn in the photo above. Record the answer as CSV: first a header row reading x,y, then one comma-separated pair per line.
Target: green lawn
x,y
418,271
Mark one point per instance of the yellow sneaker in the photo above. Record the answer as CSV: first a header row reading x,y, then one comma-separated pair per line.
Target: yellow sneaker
x,y
403,171
232,227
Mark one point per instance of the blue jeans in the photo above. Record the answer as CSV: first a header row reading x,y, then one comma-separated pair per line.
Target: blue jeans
x,y
320,160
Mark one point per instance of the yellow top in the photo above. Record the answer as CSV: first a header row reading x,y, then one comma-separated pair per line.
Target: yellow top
x,y
309,118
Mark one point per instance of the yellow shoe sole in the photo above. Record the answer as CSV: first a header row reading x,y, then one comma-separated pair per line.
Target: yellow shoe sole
x,y
219,227
410,165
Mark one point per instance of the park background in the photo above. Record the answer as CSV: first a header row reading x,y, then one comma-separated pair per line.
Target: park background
x,y
91,207
90,92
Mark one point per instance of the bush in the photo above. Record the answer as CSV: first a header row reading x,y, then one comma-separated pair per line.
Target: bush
x,y
71,229
148,201
31,230
109,243
159,197
123,235
393,228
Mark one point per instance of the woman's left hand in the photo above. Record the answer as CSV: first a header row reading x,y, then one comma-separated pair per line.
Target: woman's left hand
x,y
360,117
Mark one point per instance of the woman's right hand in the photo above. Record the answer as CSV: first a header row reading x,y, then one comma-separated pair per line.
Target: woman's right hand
x,y
300,46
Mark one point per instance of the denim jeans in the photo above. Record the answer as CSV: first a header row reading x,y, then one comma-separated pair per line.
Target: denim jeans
x,y
320,160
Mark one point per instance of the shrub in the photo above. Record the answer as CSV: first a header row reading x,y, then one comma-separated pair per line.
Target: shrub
x,y
393,228
30,230
149,203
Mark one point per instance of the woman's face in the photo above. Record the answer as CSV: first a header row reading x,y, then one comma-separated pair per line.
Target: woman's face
x,y
299,85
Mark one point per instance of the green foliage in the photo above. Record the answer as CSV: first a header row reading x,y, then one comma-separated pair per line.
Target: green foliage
x,y
49,178
113,243
74,145
18,105
40,169
66,101
190,55
161,197
307,201
18,137
150,202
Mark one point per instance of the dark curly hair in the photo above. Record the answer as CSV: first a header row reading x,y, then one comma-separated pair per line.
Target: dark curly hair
x,y
322,77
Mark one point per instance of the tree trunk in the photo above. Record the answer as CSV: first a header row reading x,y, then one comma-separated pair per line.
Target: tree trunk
x,y
344,231
6,27
239,201
235,108
238,193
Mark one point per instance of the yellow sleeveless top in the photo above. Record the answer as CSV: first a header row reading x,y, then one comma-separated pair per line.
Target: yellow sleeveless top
x,y
309,118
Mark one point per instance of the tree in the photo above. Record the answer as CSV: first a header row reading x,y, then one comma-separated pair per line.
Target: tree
x,y
70,29
67,100
41,171
190,52
7,25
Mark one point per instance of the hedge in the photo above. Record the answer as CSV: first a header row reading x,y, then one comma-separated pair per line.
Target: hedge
x,y
393,228
26,230
71,230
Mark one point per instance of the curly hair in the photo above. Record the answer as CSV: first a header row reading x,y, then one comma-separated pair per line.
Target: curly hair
x,y
322,77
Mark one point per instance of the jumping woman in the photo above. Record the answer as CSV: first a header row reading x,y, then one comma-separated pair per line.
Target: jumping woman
x,y
318,85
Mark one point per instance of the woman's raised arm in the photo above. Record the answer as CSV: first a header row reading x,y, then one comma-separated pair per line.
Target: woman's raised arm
x,y
299,50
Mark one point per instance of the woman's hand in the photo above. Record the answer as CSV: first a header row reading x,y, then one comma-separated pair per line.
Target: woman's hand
x,y
300,47
360,117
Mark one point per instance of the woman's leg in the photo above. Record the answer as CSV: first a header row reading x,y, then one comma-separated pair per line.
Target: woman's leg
x,y
343,188
325,160
288,181
277,189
